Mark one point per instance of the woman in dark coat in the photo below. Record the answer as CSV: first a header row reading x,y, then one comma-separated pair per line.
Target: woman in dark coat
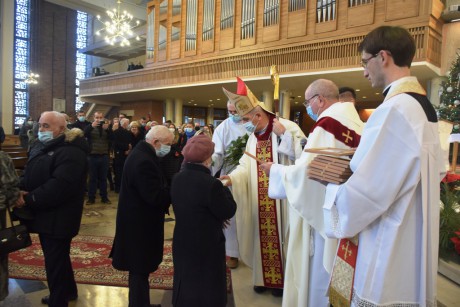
x,y
139,234
201,205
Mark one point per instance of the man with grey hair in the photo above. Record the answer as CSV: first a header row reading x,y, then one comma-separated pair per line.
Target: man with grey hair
x,y
53,188
144,198
310,253
121,147
228,131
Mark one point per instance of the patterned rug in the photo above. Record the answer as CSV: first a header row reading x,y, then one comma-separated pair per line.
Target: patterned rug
x,y
91,264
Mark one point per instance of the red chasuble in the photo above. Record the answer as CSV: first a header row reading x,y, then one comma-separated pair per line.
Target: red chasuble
x,y
270,243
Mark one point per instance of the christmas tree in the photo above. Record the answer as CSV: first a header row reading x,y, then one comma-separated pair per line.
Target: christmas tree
x,y
449,106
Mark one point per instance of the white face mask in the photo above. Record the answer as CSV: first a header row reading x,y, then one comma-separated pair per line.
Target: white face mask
x,y
163,151
45,136
172,130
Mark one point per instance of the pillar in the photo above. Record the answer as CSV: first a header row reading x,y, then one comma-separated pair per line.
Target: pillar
x,y
434,86
210,117
169,109
285,112
178,111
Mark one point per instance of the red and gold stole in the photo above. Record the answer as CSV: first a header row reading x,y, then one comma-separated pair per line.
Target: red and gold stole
x,y
343,273
270,243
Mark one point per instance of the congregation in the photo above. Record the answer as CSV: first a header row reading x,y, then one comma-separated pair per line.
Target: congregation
x,y
265,211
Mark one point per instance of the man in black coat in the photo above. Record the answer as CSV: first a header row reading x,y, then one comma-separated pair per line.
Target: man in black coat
x,y
53,190
201,205
139,234
122,139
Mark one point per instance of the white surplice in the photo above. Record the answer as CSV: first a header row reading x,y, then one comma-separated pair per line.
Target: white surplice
x,y
307,264
245,192
223,135
392,202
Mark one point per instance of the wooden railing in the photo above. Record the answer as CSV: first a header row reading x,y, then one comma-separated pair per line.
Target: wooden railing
x,y
313,56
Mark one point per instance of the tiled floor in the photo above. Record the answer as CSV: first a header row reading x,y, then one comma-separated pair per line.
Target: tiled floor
x,y
99,220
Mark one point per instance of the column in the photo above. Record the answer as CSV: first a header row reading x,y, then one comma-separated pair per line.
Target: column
x,y
285,112
267,97
210,117
169,109
178,111
433,89
6,58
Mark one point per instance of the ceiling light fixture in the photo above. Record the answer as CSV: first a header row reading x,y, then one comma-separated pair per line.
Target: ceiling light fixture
x,y
32,78
119,27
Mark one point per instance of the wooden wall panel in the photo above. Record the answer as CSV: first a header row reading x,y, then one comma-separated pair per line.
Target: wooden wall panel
x,y
360,15
397,9
207,46
271,34
328,26
175,50
227,39
297,23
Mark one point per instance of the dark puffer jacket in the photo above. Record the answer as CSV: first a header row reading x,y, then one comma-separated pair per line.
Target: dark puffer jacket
x,y
55,178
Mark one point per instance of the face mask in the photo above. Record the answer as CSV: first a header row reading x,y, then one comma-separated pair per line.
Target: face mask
x,y
163,151
81,118
45,136
250,127
311,114
172,130
188,130
235,118
30,122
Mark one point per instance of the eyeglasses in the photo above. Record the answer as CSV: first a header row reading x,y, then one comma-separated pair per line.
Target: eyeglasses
x,y
365,61
307,101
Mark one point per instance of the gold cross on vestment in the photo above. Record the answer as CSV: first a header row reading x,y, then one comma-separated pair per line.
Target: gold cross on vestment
x,y
270,251
268,226
347,136
263,178
266,202
347,251
263,154
275,277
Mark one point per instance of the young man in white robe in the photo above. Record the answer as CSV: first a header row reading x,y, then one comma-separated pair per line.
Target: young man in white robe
x,y
262,222
228,131
390,204
310,253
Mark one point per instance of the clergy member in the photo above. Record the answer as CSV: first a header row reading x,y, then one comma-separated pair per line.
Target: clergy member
x,y
391,202
227,132
261,224
310,253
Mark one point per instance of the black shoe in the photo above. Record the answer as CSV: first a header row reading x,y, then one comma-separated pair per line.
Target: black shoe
x,y
90,202
46,299
106,201
277,292
260,289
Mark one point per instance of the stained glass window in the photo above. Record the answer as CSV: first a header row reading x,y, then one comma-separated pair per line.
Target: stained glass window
x,y
21,60
82,28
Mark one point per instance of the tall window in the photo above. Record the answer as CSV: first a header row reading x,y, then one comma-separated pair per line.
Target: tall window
x,y
82,27
21,60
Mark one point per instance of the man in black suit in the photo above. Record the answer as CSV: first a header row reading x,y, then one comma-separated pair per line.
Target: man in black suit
x,y
52,190
144,198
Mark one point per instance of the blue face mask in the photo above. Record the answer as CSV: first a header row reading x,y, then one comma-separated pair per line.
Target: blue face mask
x,y
250,127
311,114
163,151
235,118
45,136
188,130
81,118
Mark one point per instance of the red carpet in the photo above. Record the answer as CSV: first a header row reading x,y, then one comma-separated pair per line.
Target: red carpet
x,y
90,263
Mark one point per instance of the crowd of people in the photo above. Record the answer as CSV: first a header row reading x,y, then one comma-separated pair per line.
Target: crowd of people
x,y
371,241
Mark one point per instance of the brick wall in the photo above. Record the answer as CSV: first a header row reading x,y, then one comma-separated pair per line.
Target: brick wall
x,y
53,56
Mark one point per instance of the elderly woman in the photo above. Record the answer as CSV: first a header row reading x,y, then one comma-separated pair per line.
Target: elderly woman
x,y
201,205
136,133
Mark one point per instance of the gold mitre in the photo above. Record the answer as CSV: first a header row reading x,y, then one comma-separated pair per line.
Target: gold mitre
x,y
244,100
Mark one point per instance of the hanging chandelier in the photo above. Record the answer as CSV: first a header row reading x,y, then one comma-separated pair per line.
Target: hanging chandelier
x,y
31,78
119,27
